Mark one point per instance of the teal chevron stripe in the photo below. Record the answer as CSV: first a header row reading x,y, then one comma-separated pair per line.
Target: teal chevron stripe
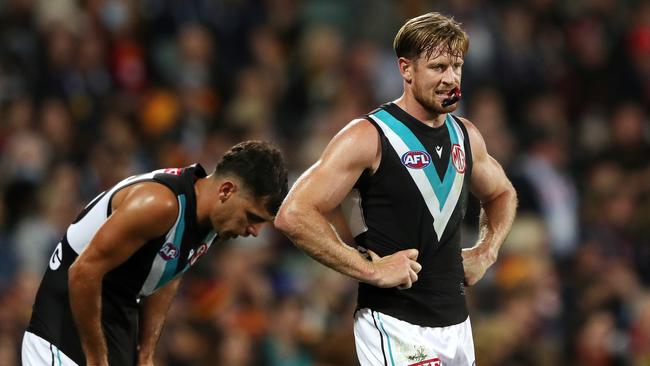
x,y
453,136
441,188
170,266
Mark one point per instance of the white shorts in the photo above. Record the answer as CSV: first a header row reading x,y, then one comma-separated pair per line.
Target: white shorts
x,y
38,352
382,340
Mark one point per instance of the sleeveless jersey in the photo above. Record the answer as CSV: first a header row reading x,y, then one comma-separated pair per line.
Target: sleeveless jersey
x,y
156,263
416,199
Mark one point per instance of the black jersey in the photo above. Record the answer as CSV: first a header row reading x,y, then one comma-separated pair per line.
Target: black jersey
x,y
416,199
151,267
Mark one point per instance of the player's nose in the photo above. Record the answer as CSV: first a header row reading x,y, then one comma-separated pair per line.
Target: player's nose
x,y
449,77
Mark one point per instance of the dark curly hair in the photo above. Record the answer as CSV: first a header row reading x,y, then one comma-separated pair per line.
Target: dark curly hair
x,y
261,167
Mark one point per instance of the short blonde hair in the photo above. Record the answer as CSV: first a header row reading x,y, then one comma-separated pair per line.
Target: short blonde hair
x,y
429,33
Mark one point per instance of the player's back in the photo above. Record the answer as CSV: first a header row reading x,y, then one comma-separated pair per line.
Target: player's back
x,y
149,268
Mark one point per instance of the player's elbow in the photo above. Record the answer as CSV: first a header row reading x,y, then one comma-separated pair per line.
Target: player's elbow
x,y
512,193
76,273
289,218
82,273
504,192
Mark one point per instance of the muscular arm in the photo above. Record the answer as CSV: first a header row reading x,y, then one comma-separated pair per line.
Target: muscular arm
x,y
140,213
152,317
303,216
498,202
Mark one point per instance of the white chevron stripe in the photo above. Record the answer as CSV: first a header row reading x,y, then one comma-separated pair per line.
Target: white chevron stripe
x,y
418,175
454,195
158,265
440,217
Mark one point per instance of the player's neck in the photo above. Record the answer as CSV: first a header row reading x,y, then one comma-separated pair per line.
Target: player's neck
x,y
422,114
202,189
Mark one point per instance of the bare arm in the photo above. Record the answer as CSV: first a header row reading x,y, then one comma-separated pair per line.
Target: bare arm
x,y
141,212
303,216
152,317
498,202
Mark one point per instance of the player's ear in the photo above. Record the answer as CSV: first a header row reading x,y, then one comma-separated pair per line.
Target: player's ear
x,y
406,68
226,189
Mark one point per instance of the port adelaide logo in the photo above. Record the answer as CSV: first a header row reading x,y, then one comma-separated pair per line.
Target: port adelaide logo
x,y
416,159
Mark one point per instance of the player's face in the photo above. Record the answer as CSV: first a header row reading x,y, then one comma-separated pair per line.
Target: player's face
x,y
240,215
434,78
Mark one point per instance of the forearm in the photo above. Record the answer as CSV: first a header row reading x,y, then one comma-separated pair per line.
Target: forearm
x,y
85,303
311,231
495,221
152,318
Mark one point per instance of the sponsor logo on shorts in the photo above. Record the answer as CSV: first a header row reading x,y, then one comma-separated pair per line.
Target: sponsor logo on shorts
x,y
56,258
429,362
419,354
168,252
416,159
458,158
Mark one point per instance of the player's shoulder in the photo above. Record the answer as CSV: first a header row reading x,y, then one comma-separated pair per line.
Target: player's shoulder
x,y
154,200
469,126
358,141
358,132
475,137
361,127
474,133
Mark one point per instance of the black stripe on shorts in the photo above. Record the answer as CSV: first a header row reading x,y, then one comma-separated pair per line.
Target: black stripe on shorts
x,y
52,353
381,337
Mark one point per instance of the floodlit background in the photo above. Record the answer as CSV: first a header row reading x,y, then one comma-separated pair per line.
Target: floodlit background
x,y
93,91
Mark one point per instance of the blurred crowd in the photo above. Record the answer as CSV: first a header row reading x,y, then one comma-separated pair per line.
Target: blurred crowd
x,y
92,91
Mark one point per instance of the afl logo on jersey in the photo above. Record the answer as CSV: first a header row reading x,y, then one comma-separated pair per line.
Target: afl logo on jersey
x,y
168,252
416,159
458,158
56,258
